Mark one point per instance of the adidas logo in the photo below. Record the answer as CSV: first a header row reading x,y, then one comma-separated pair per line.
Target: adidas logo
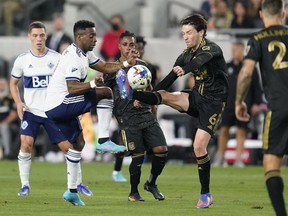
x,y
30,66
74,69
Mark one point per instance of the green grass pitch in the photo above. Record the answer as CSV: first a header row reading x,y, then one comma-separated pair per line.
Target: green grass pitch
x,y
236,192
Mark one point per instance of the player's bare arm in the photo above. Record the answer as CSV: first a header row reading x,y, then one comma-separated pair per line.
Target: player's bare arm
x,y
243,84
76,87
112,67
16,96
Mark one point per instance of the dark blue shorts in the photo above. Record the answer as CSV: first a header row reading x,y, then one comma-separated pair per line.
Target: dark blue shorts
x,y
66,114
31,123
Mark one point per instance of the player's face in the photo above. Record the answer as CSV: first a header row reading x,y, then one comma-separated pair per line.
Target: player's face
x,y
88,39
140,49
38,38
191,36
125,45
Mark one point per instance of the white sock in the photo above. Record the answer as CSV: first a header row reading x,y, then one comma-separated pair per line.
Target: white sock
x,y
104,113
24,164
115,172
79,176
73,158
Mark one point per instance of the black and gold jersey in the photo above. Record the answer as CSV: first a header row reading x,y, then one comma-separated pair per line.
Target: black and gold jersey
x,y
208,66
126,114
269,48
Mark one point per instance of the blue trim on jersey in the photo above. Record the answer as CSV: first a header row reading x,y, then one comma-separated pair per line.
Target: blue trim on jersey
x,y
36,81
76,78
78,50
72,161
15,77
95,62
39,56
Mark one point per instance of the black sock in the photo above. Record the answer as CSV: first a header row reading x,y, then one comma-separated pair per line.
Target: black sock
x,y
118,161
275,187
102,140
204,173
135,172
158,164
151,98
73,190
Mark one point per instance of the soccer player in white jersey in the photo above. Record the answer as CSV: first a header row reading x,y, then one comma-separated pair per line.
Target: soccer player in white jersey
x,y
68,96
36,67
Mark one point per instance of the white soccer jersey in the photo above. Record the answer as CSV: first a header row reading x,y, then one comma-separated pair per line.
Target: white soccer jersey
x,y
36,72
73,65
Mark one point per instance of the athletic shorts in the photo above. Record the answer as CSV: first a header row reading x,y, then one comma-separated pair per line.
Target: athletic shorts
x,y
140,140
31,123
66,115
275,133
208,112
229,119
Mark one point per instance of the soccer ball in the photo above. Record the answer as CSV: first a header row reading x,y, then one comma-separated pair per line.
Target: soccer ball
x,y
139,77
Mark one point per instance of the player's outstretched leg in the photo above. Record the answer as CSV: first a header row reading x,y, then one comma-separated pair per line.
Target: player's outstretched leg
x,y
104,112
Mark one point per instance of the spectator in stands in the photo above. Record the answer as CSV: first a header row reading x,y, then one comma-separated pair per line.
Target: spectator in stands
x,y
253,11
222,17
253,100
208,8
109,48
10,8
58,37
8,115
241,18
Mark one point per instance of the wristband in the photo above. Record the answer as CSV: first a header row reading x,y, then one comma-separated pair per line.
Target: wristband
x,y
126,64
92,84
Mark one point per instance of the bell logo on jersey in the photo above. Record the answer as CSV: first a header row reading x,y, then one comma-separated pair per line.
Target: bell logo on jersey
x,y
36,81
40,82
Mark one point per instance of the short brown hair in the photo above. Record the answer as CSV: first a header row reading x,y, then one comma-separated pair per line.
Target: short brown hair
x,y
36,24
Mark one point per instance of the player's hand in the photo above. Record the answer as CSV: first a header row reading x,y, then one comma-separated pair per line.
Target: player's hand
x,y
99,80
136,103
132,56
20,108
179,71
241,112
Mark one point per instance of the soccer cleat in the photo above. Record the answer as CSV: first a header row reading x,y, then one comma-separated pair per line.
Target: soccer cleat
x,y
122,82
118,177
205,201
24,191
154,190
109,147
239,164
73,198
135,198
84,190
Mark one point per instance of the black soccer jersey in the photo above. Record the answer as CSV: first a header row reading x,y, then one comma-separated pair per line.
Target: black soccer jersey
x,y
209,69
124,111
269,48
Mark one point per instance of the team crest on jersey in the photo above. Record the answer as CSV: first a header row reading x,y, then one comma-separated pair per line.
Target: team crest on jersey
x,y
206,48
131,146
24,125
50,65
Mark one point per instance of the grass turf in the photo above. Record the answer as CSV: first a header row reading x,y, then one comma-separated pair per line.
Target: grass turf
x,y
235,191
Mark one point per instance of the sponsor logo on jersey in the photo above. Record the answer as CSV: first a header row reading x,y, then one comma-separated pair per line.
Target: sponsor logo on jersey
x,y
36,81
24,125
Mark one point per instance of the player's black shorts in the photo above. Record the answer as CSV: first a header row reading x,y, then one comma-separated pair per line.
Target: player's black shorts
x,y
207,111
229,119
140,140
275,133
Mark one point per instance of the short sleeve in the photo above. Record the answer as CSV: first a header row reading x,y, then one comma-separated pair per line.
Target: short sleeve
x,y
253,50
92,58
17,70
73,72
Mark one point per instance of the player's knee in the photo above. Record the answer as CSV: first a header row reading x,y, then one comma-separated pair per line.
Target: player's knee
x,y
160,150
104,93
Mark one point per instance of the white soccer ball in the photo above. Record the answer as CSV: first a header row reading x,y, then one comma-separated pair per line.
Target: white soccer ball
x,y
139,77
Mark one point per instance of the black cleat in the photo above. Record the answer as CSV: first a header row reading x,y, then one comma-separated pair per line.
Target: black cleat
x,y
154,190
135,198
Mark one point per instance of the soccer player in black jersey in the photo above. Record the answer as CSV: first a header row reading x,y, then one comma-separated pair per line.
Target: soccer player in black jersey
x,y
205,101
139,129
269,48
